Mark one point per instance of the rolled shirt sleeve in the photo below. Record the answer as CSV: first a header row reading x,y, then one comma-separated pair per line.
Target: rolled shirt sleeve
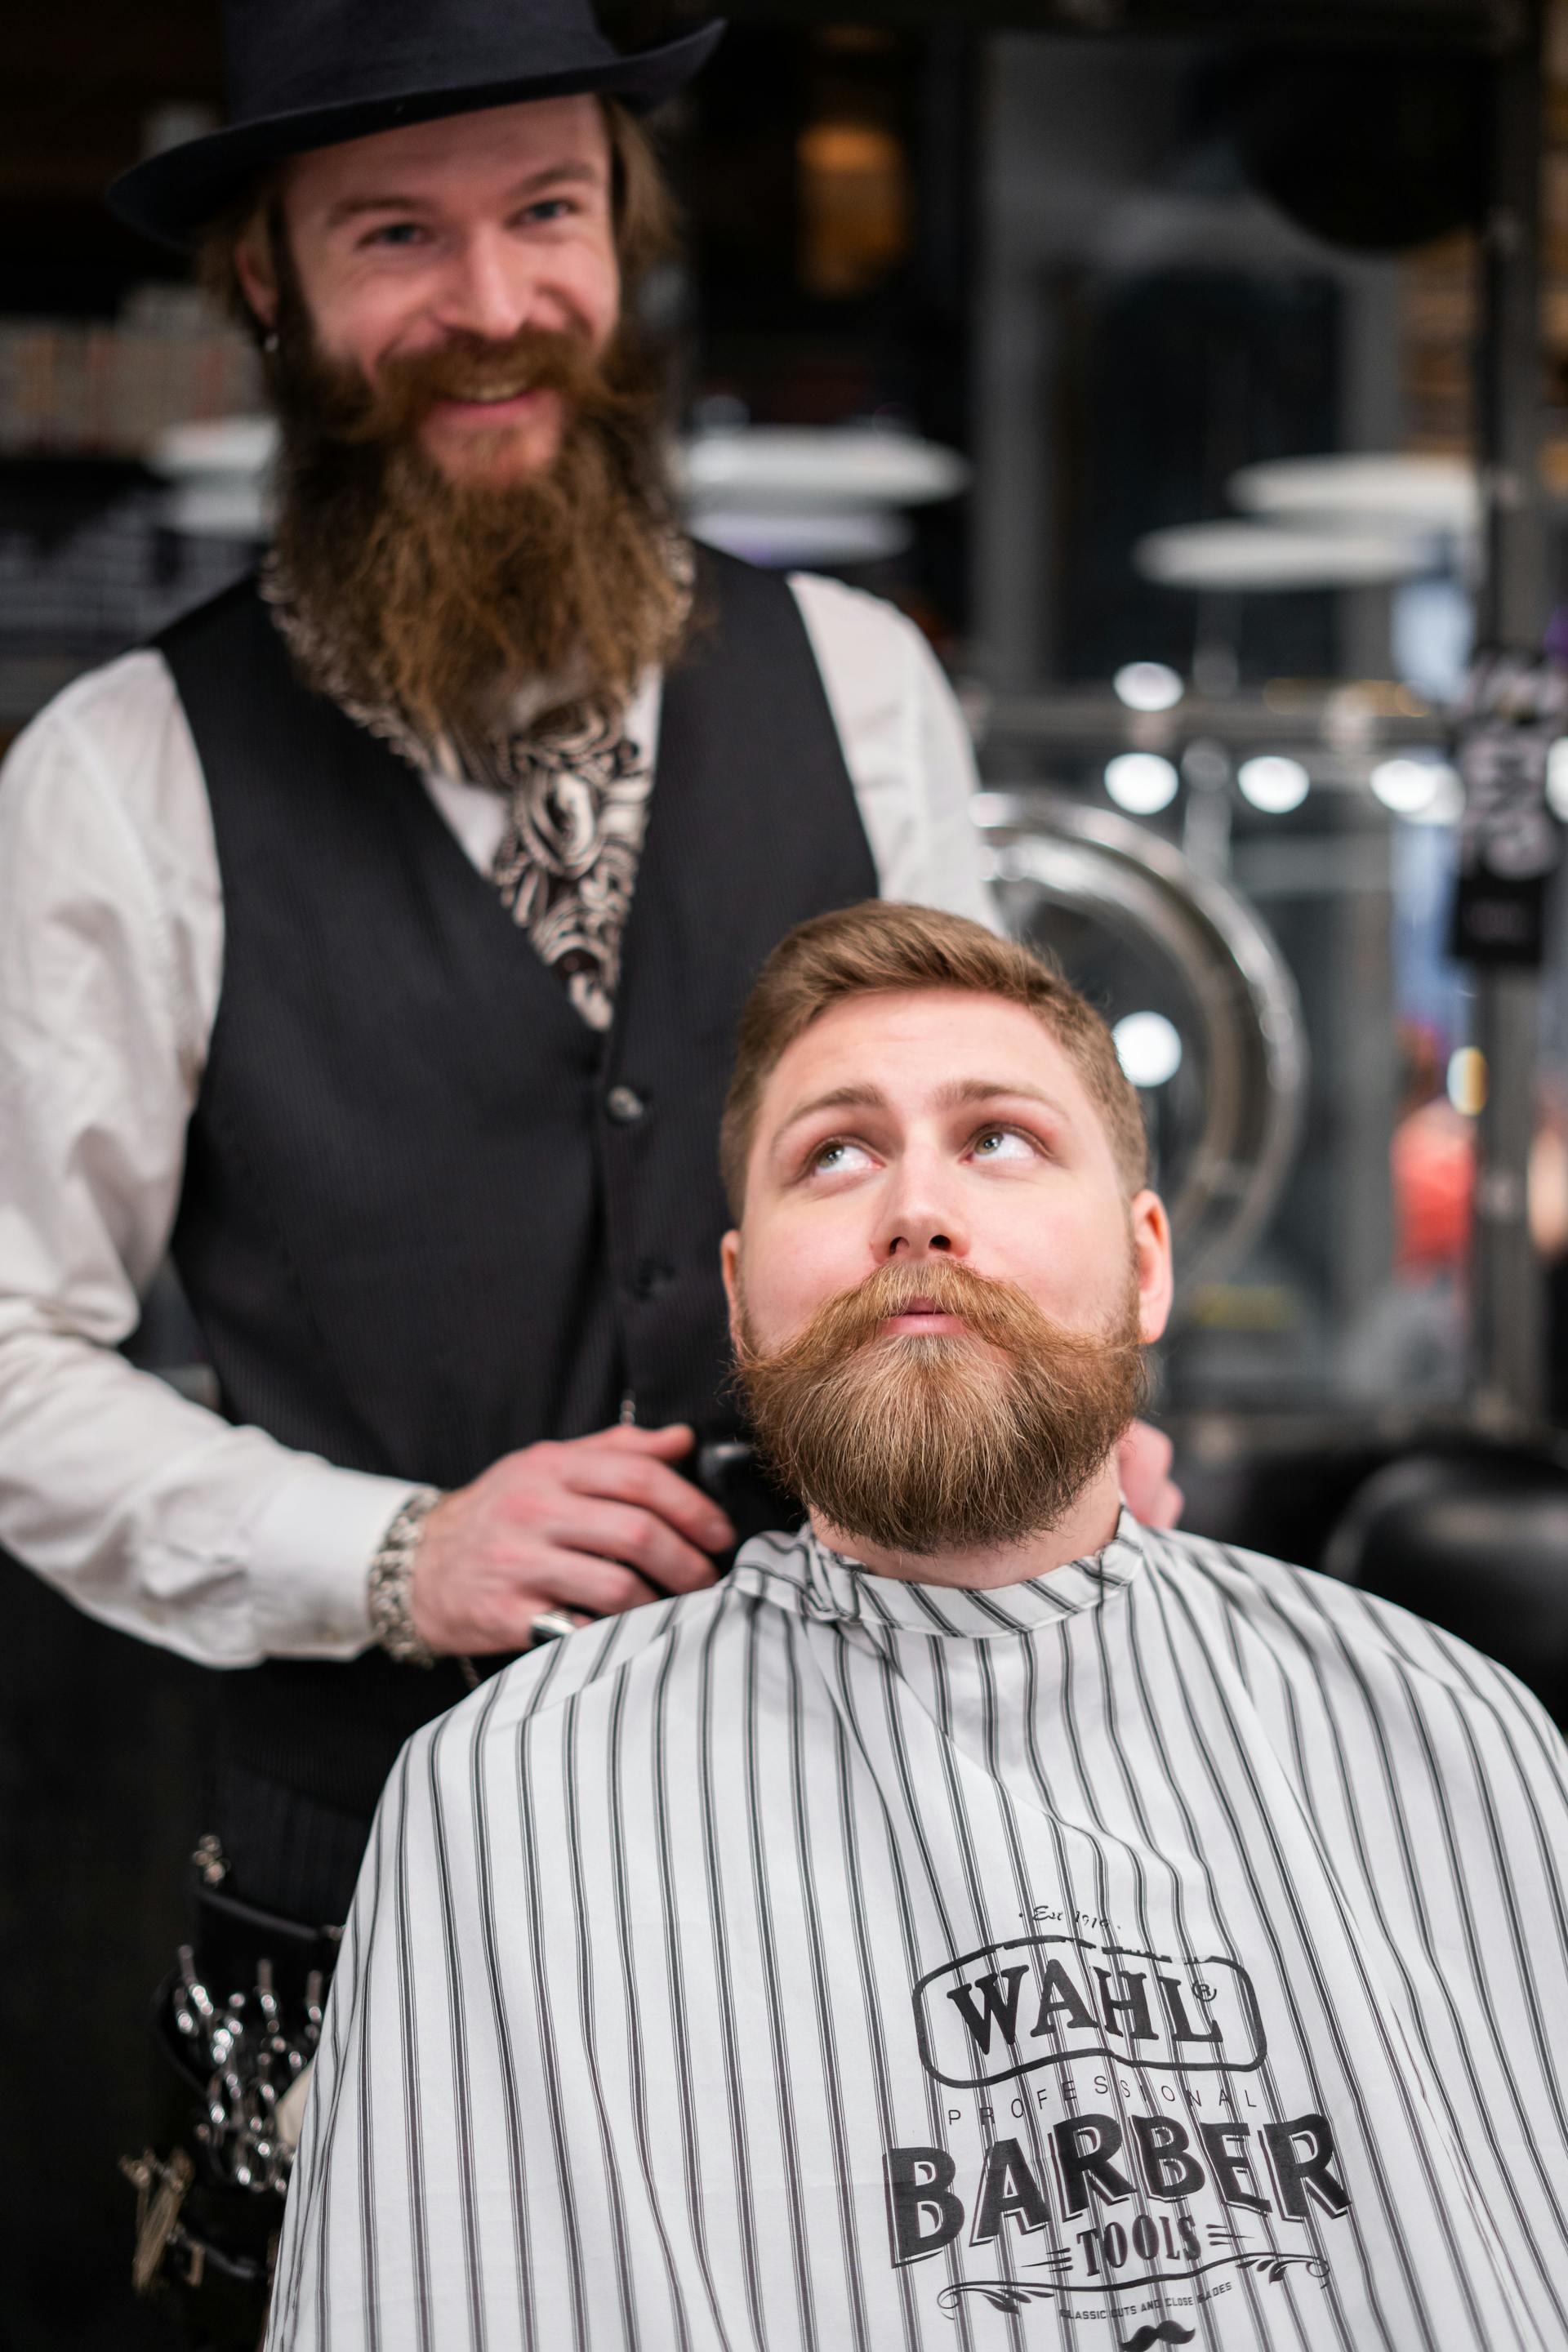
x,y
145,1510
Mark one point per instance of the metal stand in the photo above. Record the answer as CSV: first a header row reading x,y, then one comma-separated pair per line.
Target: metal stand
x,y
1508,1338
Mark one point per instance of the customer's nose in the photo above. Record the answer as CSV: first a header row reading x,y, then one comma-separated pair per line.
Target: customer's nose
x,y
919,1216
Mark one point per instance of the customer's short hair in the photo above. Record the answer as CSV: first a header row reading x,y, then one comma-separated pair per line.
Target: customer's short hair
x,y
881,947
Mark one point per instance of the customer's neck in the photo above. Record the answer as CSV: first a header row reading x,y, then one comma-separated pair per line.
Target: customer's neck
x,y
1087,1527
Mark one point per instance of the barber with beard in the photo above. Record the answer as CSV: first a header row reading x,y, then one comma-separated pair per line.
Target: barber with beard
x,y
372,944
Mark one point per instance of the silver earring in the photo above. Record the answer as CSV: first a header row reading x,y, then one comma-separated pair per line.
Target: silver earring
x,y
269,342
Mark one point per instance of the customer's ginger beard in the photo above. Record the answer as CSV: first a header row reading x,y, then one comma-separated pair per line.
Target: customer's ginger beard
x,y
950,1442
438,598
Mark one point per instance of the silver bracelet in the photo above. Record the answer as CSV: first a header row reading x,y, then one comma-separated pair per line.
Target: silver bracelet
x,y
391,1581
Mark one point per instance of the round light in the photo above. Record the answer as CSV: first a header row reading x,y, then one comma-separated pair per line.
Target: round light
x,y
1141,782
1273,783
1149,1048
1447,806
1467,1080
1405,786
1148,686
1557,778
1423,790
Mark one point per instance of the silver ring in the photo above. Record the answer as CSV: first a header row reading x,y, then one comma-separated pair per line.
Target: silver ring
x,y
550,1625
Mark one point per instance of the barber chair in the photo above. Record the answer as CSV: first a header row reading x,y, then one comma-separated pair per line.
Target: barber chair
x,y
1477,1540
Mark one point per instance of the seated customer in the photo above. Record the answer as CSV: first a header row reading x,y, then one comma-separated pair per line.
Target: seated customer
x,y
979,1921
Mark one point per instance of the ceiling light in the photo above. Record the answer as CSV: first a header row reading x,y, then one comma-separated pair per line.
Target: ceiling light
x,y
1422,492
1259,555
803,536
1149,1048
1142,782
1273,783
1447,806
1148,686
1406,785
786,466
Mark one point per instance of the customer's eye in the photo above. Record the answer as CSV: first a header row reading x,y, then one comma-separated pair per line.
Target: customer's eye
x,y
830,1159
1002,1143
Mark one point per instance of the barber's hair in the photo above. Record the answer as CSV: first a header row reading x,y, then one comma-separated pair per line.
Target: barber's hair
x,y
642,210
881,948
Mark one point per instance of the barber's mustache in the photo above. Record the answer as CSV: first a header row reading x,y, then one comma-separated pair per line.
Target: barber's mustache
x,y
408,385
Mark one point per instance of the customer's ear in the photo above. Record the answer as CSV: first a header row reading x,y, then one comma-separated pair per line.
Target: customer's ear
x,y
730,1268
1153,1264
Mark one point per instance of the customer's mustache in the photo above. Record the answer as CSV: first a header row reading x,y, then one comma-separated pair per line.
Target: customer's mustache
x,y
994,1310
408,385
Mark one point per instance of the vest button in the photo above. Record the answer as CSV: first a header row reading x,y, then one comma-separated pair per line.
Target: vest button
x,y
651,1277
625,1105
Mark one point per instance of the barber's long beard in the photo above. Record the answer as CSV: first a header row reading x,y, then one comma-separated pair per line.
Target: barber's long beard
x,y
440,600
950,1442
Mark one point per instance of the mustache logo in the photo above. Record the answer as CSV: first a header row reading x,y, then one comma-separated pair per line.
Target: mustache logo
x,y
1167,2332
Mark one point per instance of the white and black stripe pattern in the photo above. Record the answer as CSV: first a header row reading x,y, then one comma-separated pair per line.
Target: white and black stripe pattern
x,y
1173,1949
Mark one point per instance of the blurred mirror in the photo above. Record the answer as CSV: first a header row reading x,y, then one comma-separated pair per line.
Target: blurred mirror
x,y
1202,1006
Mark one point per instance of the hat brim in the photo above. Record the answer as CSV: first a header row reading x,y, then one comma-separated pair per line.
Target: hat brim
x,y
172,196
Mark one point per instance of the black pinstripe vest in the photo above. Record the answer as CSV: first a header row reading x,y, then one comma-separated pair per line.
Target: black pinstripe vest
x,y
414,1230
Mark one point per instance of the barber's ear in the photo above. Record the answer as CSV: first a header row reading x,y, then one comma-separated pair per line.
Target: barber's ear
x,y
729,1266
254,268
1153,1262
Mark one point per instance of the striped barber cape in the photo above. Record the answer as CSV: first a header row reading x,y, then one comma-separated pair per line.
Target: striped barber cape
x,y
1171,1949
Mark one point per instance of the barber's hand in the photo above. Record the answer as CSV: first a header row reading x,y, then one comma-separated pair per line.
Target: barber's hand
x,y
1143,1459
589,1527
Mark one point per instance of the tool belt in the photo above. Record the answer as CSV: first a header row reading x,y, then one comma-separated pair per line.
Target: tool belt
x,y
236,2022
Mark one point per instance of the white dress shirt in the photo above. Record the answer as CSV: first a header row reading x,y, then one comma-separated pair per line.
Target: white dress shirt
x,y
146,1509
1169,1949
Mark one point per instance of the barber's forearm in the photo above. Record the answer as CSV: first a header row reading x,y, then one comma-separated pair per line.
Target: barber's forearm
x,y
158,1518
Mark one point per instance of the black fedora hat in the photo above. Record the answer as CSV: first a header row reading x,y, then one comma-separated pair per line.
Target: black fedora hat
x,y
310,73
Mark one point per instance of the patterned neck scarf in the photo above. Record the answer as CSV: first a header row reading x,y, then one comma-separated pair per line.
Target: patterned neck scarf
x,y
576,797
576,792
